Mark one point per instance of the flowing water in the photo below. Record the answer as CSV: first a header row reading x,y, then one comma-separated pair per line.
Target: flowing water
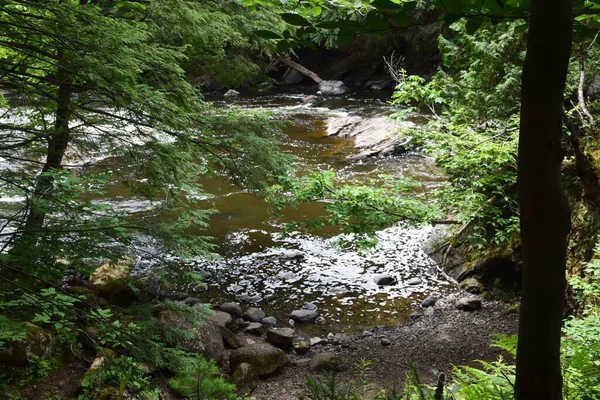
x,y
259,266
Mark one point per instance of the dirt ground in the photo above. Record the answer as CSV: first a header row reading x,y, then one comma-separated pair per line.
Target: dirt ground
x,y
443,337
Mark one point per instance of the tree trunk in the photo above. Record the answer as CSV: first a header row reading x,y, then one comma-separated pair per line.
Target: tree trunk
x,y
58,140
302,70
545,219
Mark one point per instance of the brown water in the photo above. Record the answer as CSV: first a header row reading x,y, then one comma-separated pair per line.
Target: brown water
x,y
279,274
258,266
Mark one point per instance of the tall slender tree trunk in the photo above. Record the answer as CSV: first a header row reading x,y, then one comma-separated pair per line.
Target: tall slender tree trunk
x,y
58,140
545,218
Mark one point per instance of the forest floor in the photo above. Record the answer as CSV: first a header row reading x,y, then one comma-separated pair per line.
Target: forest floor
x,y
443,337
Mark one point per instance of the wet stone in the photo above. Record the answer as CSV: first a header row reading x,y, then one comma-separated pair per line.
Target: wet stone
x,y
384,280
309,306
320,321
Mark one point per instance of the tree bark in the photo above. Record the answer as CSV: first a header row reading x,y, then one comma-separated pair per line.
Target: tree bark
x,y
545,217
302,70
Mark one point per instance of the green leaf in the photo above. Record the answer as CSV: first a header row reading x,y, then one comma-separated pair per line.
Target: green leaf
x,y
329,24
473,25
295,19
386,5
375,22
521,28
265,34
316,11
283,46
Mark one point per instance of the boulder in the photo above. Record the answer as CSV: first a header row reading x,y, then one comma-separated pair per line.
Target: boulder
x,y
38,343
219,318
205,337
471,285
282,337
332,88
376,136
230,339
231,93
263,357
233,309
468,304
429,301
268,321
326,362
238,325
254,314
110,279
245,378
254,328
384,280
292,77
304,315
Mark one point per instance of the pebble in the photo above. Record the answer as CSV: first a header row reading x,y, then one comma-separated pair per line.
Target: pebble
x,y
385,342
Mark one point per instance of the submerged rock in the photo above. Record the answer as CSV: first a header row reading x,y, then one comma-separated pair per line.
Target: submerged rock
x,y
384,280
263,357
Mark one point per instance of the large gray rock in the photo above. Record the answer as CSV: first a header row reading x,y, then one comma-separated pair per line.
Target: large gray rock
x,y
429,301
205,338
468,304
471,285
332,88
245,378
372,136
233,309
231,93
282,337
254,328
254,314
220,318
304,315
326,362
263,357
37,343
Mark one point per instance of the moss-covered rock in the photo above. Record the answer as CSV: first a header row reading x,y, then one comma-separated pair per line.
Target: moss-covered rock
x,y
38,342
113,282
263,357
202,337
245,378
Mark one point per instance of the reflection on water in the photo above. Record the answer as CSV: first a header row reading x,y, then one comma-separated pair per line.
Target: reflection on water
x,y
258,266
